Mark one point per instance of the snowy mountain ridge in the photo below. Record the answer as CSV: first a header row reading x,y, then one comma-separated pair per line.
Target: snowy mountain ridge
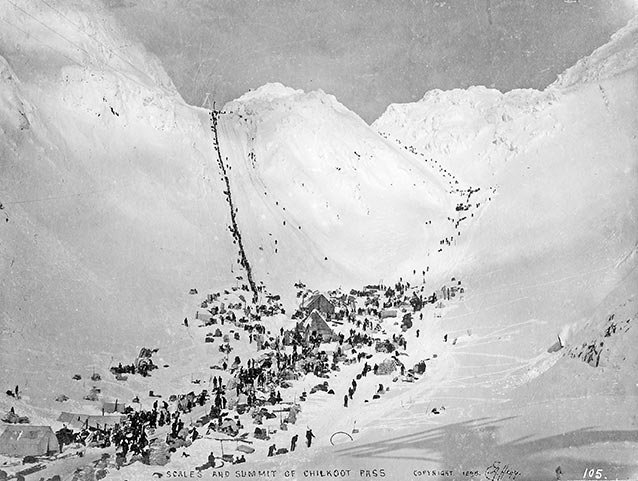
x,y
491,125
342,188
273,94
115,207
83,33
563,162
617,56
111,203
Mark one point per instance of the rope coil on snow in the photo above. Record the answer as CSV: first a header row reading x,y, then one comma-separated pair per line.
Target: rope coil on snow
x,y
339,432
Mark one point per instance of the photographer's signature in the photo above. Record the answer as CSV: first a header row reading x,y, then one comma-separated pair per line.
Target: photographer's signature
x,y
498,471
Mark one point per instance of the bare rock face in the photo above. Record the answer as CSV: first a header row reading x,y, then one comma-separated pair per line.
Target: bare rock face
x,y
609,345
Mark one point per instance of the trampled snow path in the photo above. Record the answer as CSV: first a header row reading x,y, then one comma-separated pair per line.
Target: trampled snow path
x,y
243,258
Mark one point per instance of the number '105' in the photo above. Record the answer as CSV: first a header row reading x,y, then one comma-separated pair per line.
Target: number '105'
x,y
593,474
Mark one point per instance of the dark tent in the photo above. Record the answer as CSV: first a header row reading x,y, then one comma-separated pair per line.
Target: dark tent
x,y
315,322
320,303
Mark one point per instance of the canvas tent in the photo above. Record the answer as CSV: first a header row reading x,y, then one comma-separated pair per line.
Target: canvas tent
x,y
113,407
23,441
315,322
320,303
204,316
80,420
387,367
388,313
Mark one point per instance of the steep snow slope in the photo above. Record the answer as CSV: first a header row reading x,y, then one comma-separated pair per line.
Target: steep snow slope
x,y
321,196
116,205
552,253
619,55
112,205
474,131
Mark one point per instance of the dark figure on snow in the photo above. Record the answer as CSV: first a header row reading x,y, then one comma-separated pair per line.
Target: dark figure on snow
x,y
271,450
345,401
309,437
293,442
186,321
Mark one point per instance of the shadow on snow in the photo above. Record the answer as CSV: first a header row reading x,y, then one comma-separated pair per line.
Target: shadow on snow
x,y
474,445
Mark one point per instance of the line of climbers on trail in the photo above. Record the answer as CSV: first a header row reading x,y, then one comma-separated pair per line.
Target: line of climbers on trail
x,y
463,205
234,227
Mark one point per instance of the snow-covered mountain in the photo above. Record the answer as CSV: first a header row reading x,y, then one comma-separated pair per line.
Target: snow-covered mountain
x,y
552,255
562,162
114,206
322,197
474,131
618,56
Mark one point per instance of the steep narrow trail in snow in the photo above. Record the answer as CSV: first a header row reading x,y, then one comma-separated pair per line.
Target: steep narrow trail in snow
x,y
243,259
466,213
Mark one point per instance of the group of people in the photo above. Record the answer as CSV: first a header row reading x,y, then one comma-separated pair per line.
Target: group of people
x,y
273,451
248,386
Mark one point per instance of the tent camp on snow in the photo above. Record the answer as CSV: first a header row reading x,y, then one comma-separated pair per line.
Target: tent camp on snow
x,y
315,322
23,441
